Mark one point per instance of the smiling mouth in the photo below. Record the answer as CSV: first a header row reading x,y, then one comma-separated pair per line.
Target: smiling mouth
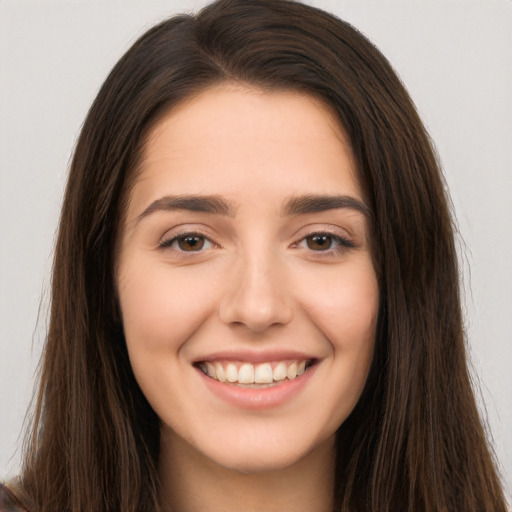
x,y
250,375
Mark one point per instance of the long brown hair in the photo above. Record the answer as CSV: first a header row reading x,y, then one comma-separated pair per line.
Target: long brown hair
x,y
415,440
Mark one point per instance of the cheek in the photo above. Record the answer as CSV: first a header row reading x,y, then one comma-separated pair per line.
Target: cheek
x,y
344,305
345,310
160,308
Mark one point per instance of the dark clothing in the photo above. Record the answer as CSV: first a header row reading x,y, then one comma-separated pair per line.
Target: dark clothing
x,y
9,502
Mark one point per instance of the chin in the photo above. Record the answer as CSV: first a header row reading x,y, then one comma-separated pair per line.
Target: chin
x,y
254,463
266,454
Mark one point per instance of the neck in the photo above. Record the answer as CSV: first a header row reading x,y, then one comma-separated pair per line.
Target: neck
x,y
191,482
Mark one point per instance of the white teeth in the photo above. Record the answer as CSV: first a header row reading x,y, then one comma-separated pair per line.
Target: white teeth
x,y
263,374
291,371
280,371
246,374
231,373
210,370
221,374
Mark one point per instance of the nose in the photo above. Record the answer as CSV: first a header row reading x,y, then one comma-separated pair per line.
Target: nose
x,y
257,295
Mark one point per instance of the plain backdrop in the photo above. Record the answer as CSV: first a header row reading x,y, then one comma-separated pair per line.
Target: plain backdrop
x,y
455,58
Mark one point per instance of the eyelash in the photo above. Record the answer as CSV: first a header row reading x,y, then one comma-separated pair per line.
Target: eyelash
x,y
165,244
342,244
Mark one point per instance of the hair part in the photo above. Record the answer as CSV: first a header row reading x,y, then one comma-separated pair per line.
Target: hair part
x,y
415,439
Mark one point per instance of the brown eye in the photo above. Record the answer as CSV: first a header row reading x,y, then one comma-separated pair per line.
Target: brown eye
x,y
319,242
191,243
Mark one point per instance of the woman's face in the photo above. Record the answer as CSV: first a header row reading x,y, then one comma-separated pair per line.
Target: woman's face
x,y
248,295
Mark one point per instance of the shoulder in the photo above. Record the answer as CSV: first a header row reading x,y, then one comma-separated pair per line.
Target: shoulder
x,y
9,502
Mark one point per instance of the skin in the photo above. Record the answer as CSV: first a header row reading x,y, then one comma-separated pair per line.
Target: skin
x,y
258,284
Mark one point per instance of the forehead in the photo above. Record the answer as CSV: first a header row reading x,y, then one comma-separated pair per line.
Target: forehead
x,y
231,138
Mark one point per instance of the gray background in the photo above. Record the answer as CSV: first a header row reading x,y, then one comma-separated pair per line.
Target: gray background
x,y
455,58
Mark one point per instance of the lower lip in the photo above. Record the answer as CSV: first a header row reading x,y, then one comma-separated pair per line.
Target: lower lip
x,y
257,399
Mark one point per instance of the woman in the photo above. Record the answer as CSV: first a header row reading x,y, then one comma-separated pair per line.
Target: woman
x,y
255,295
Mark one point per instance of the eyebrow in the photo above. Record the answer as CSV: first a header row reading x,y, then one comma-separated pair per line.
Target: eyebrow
x,y
298,205
193,203
319,203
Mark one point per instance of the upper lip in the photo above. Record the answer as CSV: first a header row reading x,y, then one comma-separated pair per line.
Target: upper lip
x,y
255,357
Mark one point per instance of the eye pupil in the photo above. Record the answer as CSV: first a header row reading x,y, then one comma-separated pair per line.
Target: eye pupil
x,y
319,242
191,243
